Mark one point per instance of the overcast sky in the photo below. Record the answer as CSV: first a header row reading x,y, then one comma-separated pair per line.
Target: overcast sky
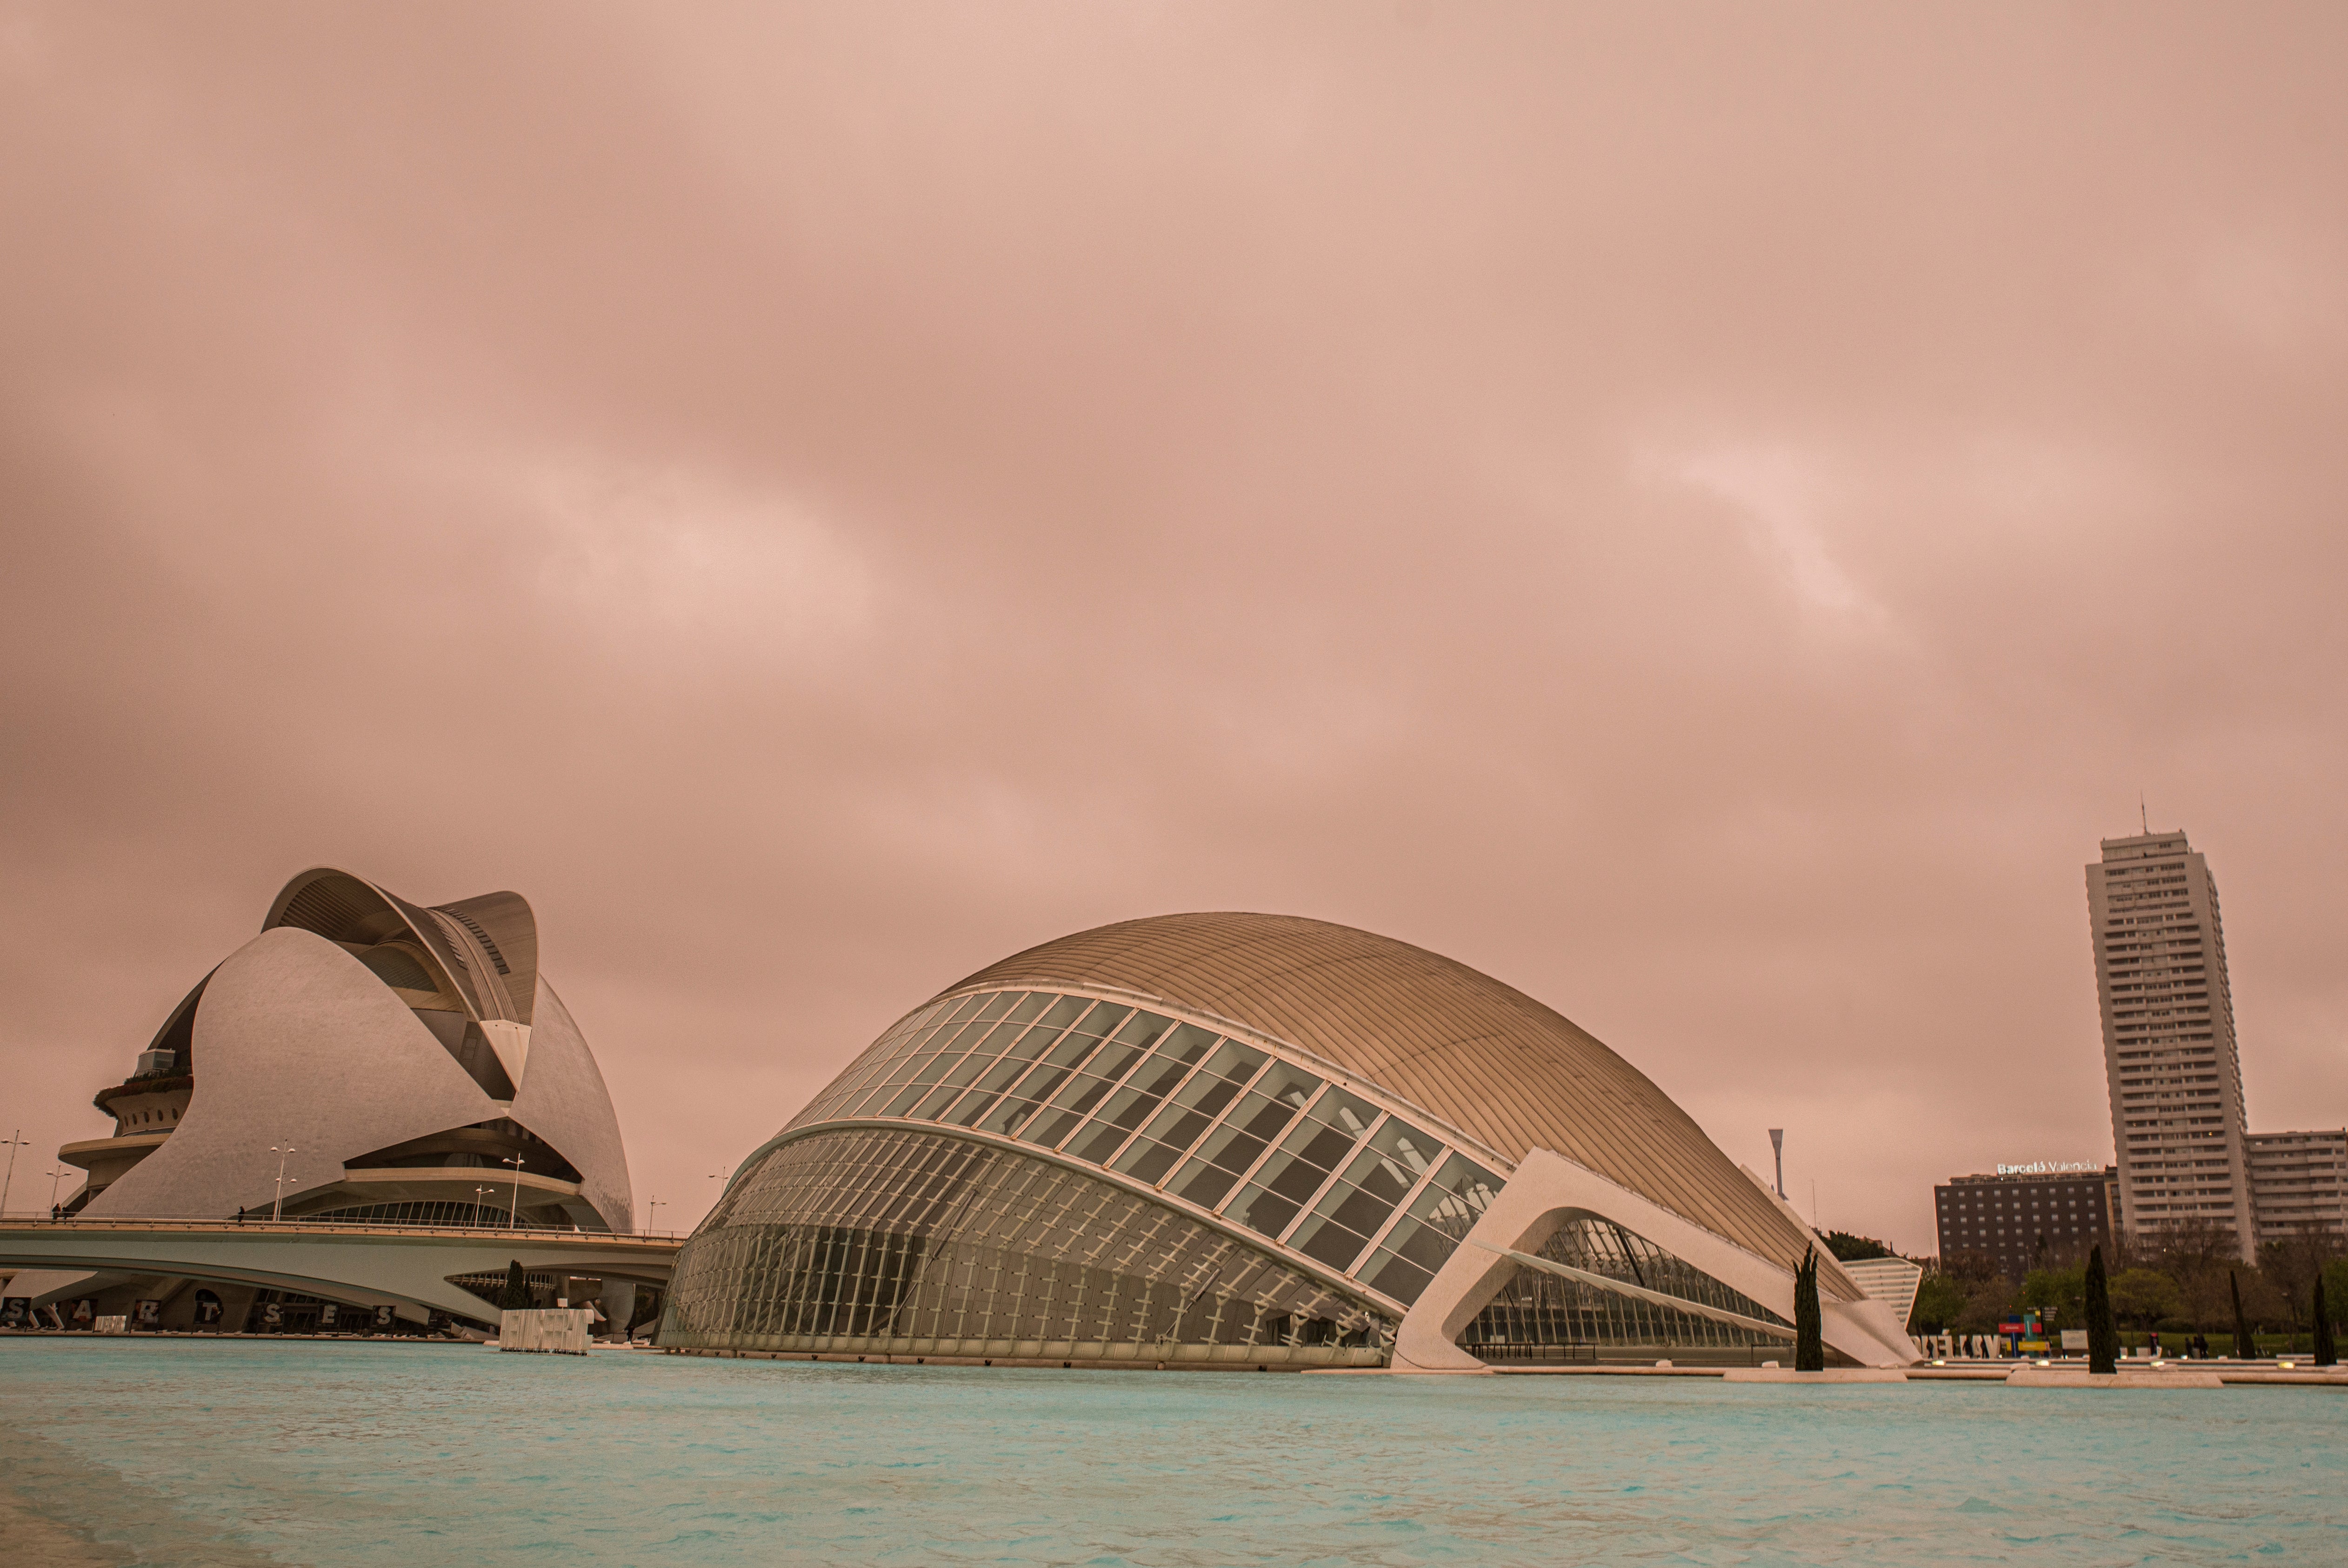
x,y
1707,514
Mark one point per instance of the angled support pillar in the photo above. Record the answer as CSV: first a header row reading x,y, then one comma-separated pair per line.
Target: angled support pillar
x,y
1547,1191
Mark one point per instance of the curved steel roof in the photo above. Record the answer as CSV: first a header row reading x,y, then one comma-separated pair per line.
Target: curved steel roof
x,y
1486,1057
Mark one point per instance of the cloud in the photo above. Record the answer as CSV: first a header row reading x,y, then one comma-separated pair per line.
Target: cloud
x,y
678,560
1782,495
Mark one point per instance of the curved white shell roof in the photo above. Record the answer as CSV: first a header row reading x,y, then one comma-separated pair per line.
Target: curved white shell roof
x,y
297,1041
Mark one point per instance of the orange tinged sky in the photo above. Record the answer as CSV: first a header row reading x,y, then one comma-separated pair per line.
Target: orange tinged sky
x,y
1706,515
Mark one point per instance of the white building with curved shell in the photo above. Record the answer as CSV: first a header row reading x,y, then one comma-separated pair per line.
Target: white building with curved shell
x,y
1250,1140
365,1060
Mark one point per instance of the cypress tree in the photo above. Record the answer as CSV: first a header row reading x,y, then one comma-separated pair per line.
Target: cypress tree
x,y
1810,1339
2325,1354
2245,1347
2102,1337
517,1297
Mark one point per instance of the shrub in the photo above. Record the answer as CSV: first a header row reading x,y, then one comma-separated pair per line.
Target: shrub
x,y
517,1298
2102,1337
1809,1338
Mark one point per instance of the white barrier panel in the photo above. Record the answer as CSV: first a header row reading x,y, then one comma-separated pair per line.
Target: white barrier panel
x,y
553,1331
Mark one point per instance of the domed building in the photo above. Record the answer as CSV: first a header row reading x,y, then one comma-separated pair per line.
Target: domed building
x,y
1250,1140
365,1060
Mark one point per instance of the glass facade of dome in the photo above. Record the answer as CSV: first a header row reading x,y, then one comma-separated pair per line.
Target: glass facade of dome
x,y
1276,1160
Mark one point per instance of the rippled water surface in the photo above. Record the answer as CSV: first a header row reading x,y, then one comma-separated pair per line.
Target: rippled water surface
x,y
359,1455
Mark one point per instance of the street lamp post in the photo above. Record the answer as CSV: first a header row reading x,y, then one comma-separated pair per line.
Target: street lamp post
x,y
513,1217
478,1194
283,1151
55,1177
652,1216
16,1141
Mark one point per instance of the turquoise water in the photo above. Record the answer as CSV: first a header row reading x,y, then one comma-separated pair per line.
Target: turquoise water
x,y
359,1455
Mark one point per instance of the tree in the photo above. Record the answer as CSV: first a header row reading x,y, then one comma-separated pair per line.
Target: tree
x,y
1986,1306
2056,1293
2197,1256
517,1298
2103,1338
2335,1275
2325,1354
2287,1268
2245,1347
1810,1339
2144,1296
1849,1249
1940,1302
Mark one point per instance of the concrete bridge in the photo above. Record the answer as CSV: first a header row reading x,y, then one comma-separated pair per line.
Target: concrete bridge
x,y
406,1267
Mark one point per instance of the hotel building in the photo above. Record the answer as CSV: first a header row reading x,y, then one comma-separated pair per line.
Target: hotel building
x,y
2026,1219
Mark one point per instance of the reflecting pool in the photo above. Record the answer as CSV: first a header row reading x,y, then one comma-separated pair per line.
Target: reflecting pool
x,y
352,1454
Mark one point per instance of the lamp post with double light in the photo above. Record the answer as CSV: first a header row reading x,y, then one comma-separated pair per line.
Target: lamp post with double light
x,y
513,1216
285,1151
16,1141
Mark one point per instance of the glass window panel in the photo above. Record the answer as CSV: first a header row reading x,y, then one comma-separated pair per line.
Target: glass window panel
x,y
976,1042
1049,1126
1356,1206
1067,1010
1143,1029
950,1086
915,1064
1321,1138
1444,1211
1105,1018
1202,1183
876,1071
1014,1062
938,1034
1029,1006
1083,1091
1232,1148
1211,1089
905,1038
1149,1083
906,1044
1050,1072
1145,1160
999,1003
1190,1113
1015,1107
